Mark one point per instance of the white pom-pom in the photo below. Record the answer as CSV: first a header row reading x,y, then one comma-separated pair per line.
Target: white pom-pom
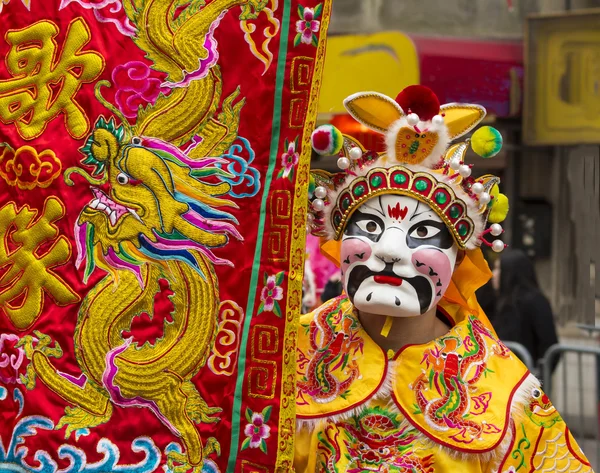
x,y
355,153
484,198
320,192
343,163
477,188
455,164
412,119
437,120
318,205
496,229
498,246
464,170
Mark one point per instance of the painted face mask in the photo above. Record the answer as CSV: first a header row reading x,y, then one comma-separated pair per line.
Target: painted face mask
x,y
397,257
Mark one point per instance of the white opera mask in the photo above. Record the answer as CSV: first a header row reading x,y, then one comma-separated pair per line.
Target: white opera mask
x,y
397,257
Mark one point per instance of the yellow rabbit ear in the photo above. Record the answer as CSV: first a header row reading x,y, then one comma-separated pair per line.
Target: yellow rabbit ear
x,y
461,118
373,110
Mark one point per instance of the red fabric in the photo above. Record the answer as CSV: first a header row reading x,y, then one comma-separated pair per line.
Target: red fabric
x,y
136,82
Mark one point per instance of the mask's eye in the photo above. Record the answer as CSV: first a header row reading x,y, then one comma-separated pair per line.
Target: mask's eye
x,y
122,178
536,393
136,140
444,355
424,231
369,226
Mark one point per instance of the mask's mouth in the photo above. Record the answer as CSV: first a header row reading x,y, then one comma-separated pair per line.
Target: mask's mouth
x,y
392,280
421,284
113,210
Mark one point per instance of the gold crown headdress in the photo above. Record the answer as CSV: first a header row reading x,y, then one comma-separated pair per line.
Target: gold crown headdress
x,y
418,162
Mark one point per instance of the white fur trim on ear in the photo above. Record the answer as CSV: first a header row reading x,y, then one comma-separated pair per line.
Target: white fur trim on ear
x,y
426,127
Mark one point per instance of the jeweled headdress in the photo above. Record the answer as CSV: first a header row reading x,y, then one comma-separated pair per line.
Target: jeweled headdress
x,y
419,162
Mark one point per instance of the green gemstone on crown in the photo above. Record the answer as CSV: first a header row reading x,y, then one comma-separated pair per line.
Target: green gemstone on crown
x,y
359,190
376,181
454,211
463,229
400,178
345,203
421,185
337,220
441,197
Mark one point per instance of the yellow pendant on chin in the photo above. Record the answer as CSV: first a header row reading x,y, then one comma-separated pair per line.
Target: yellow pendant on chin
x,y
387,326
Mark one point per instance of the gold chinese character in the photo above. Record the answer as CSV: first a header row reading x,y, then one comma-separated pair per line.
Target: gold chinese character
x,y
46,79
26,267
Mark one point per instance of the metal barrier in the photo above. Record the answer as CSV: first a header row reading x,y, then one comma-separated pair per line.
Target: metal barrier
x,y
583,424
523,355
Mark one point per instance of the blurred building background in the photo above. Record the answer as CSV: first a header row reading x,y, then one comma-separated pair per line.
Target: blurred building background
x,y
535,66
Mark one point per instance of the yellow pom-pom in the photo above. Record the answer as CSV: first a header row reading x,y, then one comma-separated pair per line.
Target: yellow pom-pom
x,y
486,142
499,208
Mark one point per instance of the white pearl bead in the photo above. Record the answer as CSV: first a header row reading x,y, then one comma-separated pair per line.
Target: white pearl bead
x,y
310,218
437,120
497,246
496,229
320,192
412,119
318,205
308,228
355,153
455,164
343,163
477,188
464,170
484,198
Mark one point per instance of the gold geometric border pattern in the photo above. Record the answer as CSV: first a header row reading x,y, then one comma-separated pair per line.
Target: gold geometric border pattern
x,y
287,414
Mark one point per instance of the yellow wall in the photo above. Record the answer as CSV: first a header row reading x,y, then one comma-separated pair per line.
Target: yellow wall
x,y
383,62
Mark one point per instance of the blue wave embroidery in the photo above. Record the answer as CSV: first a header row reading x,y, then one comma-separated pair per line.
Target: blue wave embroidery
x,y
13,459
241,169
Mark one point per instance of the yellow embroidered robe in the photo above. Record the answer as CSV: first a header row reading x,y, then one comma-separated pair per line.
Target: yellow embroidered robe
x,y
461,403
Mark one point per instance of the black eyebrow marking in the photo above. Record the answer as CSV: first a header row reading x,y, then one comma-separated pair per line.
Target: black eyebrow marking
x,y
416,213
366,204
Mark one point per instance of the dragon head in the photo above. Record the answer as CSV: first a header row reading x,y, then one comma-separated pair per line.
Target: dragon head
x,y
540,410
154,203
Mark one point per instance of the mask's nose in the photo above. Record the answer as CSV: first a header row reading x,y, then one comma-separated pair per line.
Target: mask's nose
x,y
391,246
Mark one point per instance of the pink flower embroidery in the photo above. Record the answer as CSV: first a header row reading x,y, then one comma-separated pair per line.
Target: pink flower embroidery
x,y
308,26
11,359
289,159
257,430
271,293
135,87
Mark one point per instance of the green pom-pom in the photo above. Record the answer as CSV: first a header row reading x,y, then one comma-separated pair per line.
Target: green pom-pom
x,y
486,142
327,140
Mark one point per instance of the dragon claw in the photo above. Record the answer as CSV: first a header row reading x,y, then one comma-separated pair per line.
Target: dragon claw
x,y
177,462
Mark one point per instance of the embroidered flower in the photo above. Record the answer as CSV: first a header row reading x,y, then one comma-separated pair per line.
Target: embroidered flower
x,y
11,359
308,26
289,160
257,430
271,293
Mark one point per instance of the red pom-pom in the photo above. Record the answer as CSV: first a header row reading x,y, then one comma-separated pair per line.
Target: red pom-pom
x,y
420,100
321,140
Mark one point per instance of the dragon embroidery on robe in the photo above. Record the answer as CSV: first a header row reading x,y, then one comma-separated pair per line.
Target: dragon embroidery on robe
x,y
375,441
153,217
453,374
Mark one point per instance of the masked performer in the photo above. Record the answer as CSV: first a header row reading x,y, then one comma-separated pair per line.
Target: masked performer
x,y
403,372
